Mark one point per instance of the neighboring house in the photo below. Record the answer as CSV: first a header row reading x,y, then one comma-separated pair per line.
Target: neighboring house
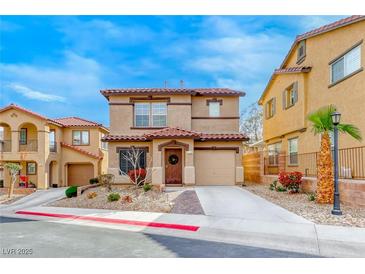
x,y
186,136
324,66
52,152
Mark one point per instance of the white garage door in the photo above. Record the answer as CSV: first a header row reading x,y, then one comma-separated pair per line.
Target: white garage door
x,y
214,167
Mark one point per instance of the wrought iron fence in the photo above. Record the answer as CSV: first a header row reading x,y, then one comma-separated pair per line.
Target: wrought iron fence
x,y
52,146
351,163
29,145
5,145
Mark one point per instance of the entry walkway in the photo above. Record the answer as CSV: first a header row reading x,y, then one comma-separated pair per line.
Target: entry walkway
x,y
235,202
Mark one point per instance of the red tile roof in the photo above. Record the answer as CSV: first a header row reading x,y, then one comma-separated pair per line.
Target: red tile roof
x,y
62,122
326,28
167,91
171,133
178,133
292,70
82,151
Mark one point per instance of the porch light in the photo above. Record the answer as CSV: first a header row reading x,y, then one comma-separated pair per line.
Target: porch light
x,y
336,118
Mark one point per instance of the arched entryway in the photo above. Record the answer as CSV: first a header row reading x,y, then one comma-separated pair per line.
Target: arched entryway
x,y
5,138
53,174
28,137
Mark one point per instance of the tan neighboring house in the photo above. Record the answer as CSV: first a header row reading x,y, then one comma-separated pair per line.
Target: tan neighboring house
x,y
186,136
324,66
53,152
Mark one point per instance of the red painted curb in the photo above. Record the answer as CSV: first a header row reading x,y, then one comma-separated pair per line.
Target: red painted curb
x,y
111,221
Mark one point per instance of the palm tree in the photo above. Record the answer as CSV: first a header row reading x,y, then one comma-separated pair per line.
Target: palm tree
x,y
322,124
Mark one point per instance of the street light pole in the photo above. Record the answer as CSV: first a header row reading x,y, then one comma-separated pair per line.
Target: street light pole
x,y
336,203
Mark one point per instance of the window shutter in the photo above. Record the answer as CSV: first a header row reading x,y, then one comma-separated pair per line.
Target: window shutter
x,y
284,99
295,91
273,106
266,114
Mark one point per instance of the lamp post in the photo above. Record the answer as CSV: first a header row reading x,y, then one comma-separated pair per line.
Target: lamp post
x,y
336,117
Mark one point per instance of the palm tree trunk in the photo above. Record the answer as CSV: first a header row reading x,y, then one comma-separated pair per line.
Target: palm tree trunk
x,y
325,172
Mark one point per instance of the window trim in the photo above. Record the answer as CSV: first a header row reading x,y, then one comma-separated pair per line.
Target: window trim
x,y
273,108
104,145
342,55
81,144
289,153
35,168
150,115
276,156
301,58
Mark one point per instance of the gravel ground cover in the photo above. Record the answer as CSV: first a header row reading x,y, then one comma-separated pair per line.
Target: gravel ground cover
x,y
150,201
317,213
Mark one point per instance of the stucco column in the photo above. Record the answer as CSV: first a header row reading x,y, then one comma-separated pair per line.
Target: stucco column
x,y
189,169
157,168
15,141
42,175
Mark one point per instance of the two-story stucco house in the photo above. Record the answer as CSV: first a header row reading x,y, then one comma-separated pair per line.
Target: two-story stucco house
x,y
187,136
52,152
323,66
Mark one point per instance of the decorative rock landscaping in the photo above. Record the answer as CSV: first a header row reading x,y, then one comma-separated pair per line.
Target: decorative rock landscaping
x,y
317,213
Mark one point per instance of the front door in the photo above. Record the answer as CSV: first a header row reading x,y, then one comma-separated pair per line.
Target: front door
x,y
173,166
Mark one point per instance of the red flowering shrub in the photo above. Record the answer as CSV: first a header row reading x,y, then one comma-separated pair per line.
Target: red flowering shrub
x,y
137,176
291,180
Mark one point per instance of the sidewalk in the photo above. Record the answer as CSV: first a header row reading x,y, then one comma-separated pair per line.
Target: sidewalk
x,y
319,240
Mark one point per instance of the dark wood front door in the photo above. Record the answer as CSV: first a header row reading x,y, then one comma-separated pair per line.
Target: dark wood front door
x,y
173,166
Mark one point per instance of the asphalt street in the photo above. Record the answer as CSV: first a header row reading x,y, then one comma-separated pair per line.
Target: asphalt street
x,y
28,238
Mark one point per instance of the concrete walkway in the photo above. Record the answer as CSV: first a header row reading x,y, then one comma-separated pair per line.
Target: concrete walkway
x,y
235,202
38,198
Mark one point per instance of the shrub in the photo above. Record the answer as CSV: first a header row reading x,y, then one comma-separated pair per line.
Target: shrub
x,y
94,181
280,189
147,187
127,199
137,176
112,197
273,185
311,197
291,180
71,191
92,195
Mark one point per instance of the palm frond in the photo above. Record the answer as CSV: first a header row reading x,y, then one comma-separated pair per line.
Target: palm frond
x,y
321,119
351,130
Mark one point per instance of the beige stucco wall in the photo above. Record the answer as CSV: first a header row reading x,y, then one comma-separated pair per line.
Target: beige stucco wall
x,y
348,95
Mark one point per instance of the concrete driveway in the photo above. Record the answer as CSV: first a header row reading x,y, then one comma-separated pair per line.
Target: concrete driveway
x,y
235,202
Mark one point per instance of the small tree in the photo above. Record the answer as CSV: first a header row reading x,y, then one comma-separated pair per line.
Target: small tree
x,y
14,171
137,175
106,180
251,122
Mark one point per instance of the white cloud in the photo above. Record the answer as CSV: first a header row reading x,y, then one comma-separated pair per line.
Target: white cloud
x,y
34,94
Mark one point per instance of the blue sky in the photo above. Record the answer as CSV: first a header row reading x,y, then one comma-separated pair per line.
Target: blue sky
x,y
56,65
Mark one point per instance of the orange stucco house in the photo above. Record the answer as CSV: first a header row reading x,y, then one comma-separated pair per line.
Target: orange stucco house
x,y
186,136
52,152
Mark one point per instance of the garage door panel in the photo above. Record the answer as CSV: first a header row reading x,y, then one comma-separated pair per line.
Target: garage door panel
x,y
80,174
214,167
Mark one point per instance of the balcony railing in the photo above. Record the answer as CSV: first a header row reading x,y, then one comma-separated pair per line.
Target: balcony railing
x,y
5,145
52,146
30,145
351,163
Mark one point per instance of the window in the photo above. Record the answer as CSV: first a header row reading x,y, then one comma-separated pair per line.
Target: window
x,y
31,168
293,151
301,52
290,95
129,156
346,64
2,134
104,145
80,137
23,136
270,108
150,114
273,151
214,109
52,140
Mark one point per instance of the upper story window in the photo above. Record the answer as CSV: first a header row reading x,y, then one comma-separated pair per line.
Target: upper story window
x,y
104,145
214,109
270,108
80,137
301,52
150,114
293,151
346,64
290,95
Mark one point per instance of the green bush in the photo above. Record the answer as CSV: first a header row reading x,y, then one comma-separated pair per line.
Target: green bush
x,y
112,197
311,197
71,191
273,185
280,189
147,187
94,181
